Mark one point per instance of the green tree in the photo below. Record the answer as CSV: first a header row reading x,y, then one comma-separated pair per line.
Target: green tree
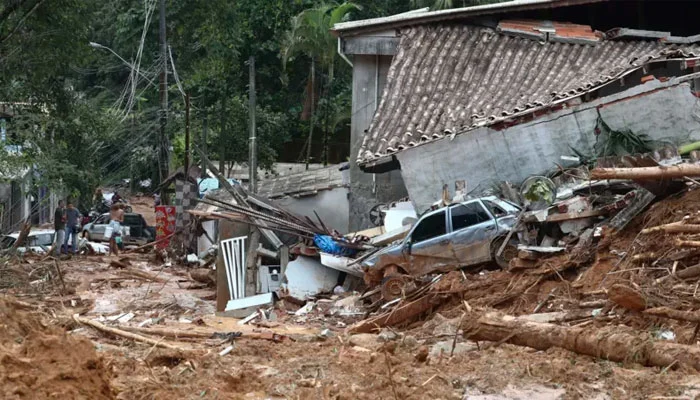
x,y
309,35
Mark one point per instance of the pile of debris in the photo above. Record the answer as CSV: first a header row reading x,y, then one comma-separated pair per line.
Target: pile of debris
x,y
614,279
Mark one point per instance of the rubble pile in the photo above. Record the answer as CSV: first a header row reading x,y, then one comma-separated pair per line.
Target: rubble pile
x,y
625,296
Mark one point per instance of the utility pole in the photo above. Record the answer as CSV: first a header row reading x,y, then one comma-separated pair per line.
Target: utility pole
x,y
203,143
313,114
164,143
187,135
253,156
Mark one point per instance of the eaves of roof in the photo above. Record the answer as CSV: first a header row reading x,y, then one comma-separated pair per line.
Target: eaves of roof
x,y
424,16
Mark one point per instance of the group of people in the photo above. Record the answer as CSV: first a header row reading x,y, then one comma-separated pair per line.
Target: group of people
x,y
66,223
67,227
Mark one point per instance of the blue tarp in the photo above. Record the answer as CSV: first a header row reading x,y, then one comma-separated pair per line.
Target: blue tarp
x,y
330,246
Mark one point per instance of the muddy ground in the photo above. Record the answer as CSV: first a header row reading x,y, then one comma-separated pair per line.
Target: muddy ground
x,y
47,355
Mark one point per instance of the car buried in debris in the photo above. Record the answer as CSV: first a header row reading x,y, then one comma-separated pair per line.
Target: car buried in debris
x,y
457,236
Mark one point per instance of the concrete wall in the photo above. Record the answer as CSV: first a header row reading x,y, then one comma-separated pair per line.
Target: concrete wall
x,y
331,205
367,190
664,111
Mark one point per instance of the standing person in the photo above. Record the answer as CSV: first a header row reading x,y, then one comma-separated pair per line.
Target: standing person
x,y
72,226
59,226
116,216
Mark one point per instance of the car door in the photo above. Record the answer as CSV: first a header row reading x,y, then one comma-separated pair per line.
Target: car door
x,y
97,232
473,228
430,248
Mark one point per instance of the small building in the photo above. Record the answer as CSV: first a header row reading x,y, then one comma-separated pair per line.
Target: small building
x,y
500,92
21,198
321,191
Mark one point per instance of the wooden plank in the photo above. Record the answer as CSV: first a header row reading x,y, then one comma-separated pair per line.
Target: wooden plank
x,y
252,301
370,233
391,236
575,215
402,314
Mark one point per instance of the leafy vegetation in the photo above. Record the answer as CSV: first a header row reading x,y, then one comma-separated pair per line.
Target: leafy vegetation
x,y
79,84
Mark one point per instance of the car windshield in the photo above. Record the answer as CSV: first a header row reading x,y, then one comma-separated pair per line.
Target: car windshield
x,y
500,208
7,242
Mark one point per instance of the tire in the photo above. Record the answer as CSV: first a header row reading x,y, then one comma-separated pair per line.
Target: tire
x,y
509,253
394,286
128,209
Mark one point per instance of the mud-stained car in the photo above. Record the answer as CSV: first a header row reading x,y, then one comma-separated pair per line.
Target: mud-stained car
x,y
457,236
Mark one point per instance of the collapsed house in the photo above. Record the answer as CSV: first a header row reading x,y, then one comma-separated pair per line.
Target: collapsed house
x,y
501,92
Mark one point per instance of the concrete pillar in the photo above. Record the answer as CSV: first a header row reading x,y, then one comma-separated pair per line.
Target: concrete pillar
x,y
367,190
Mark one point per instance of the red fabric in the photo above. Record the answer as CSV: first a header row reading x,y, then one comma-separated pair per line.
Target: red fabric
x,y
165,224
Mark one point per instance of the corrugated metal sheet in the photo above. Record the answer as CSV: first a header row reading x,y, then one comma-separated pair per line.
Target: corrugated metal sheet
x,y
448,79
303,183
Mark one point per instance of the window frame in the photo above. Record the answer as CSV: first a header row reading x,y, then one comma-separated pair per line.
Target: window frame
x,y
478,203
445,221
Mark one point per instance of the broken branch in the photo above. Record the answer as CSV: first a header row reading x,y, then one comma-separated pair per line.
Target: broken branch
x,y
124,334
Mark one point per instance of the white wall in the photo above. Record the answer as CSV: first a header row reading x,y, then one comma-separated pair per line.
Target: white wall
x,y
331,205
485,156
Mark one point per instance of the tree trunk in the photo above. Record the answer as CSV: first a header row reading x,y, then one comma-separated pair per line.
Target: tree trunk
x,y
611,343
647,173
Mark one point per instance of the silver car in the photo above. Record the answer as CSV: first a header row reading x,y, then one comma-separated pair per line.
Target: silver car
x,y
135,229
460,235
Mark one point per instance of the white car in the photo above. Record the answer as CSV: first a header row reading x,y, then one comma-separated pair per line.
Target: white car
x,y
39,241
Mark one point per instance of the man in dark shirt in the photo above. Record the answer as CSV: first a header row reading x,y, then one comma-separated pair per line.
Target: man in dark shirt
x,y
72,226
59,226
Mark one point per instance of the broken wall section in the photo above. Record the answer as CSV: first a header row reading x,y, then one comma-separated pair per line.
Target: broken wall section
x,y
661,110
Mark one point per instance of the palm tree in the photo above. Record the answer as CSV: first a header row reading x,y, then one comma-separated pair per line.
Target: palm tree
x,y
310,36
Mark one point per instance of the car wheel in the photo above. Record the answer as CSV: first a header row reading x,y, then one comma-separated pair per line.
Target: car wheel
x,y
509,252
396,285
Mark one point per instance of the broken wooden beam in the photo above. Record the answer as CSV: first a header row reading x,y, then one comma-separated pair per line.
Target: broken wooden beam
x,y
576,215
647,173
610,342
136,274
398,315
517,264
154,243
124,334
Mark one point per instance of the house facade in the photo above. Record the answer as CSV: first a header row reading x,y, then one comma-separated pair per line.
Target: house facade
x,y
500,92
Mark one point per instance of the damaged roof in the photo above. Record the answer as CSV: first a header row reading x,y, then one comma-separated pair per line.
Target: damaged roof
x,y
449,79
305,183
424,15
